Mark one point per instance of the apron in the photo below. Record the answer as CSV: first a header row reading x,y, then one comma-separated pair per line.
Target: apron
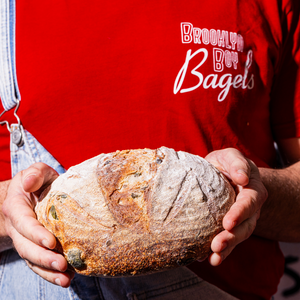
x,y
17,281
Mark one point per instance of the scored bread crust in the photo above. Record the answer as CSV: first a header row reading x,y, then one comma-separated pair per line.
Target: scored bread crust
x,y
136,211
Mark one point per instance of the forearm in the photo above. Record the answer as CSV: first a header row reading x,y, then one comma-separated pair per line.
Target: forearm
x,y
5,241
280,215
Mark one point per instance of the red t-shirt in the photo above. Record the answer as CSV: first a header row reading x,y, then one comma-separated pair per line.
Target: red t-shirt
x,y
193,75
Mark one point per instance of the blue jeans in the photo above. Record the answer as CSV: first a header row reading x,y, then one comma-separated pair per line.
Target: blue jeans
x,y
29,153
18,282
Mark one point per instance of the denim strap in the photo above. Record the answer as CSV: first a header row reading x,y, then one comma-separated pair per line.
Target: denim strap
x,y
9,91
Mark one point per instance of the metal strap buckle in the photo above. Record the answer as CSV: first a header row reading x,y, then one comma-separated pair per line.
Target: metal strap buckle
x,y
16,132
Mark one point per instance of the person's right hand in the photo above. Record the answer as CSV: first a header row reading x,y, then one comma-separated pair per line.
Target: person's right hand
x,y
30,238
240,221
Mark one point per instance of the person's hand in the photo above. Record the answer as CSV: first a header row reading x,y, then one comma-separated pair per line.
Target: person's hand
x,y
240,221
30,238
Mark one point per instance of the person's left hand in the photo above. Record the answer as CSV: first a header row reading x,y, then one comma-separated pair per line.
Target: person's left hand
x,y
240,221
32,241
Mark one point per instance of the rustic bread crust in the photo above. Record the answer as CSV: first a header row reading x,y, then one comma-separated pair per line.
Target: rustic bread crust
x,y
136,211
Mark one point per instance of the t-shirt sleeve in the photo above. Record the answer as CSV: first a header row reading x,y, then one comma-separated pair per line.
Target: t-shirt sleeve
x,y
285,94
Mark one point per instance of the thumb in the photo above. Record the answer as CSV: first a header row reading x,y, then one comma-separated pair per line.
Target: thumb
x,y
37,177
231,163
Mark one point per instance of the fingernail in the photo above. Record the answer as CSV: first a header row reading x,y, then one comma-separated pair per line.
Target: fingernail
x,y
57,281
29,177
55,266
215,259
45,243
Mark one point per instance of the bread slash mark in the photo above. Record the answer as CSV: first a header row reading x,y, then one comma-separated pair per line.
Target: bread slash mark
x,y
206,198
182,195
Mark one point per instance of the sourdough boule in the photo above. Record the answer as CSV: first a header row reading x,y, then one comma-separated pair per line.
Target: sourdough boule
x,y
136,211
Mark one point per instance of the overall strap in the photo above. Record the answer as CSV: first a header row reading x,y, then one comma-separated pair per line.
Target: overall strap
x,y
9,91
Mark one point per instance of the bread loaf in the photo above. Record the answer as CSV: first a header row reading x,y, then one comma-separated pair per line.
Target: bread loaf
x,y
136,211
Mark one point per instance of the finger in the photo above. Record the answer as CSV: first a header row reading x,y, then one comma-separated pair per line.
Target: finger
x,y
248,202
246,205
223,244
37,176
37,255
21,217
61,279
232,163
